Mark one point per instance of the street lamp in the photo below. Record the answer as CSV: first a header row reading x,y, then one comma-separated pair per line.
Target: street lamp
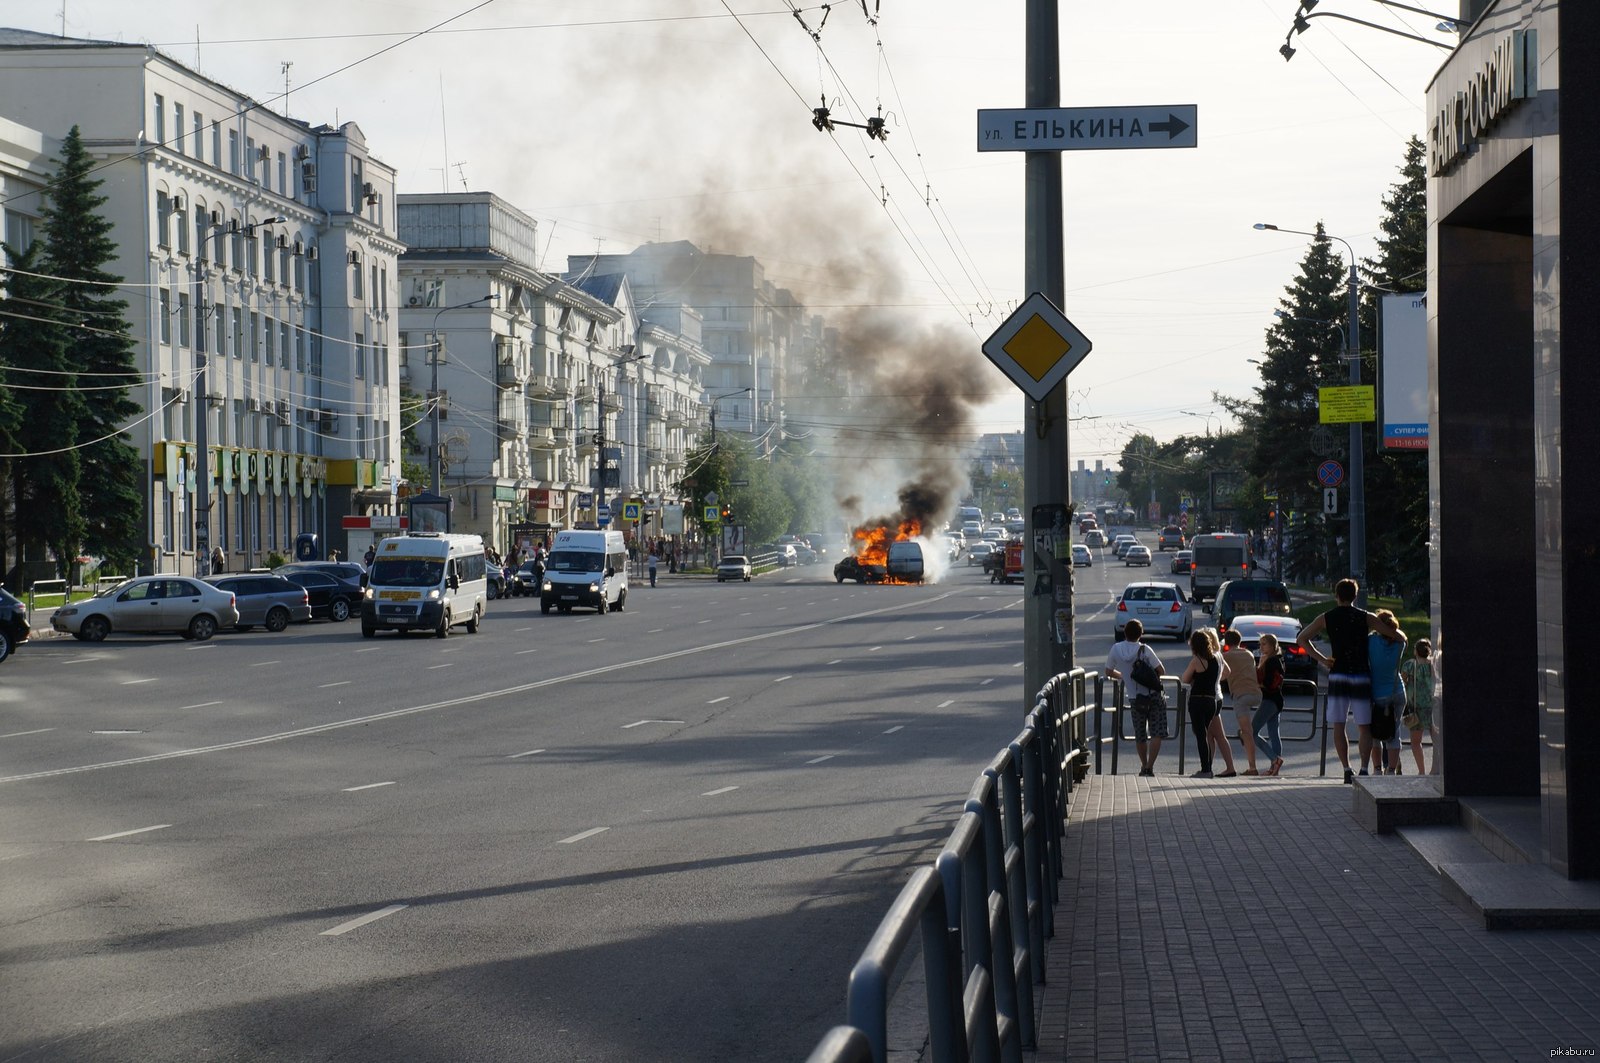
x,y
1207,418
1352,350
717,399
1303,14
433,395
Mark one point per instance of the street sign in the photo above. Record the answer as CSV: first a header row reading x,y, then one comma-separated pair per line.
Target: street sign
x,y
630,510
585,500
710,515
1330,473
1087,128
1037,347
738,483
1351,402
602,515
1330,500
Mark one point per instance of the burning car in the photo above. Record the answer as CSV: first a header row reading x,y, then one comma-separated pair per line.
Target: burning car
x,y
860,570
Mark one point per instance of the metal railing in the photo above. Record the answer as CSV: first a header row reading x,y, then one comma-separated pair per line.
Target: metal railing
x,y
986,908
49,587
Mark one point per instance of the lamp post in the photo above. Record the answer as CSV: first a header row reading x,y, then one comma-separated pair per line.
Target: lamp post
x,y
717,399
1352,350
433,394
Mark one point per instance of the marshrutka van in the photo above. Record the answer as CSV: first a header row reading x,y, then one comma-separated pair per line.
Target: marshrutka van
x,y
426,582
587,568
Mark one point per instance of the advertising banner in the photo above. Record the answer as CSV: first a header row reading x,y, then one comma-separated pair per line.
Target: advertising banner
x,y
1403,371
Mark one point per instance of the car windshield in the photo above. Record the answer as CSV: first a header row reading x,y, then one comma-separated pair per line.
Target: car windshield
x,y
408,571
110,591
735,559
1149,594
576,561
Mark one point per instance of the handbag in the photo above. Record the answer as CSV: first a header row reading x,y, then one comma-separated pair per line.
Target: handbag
x,y
1144,673
1412,719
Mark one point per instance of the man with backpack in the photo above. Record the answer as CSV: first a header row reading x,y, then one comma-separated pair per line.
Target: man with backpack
x,y
1140,671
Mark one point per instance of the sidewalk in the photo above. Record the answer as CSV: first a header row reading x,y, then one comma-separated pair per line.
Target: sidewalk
x,y
1255,919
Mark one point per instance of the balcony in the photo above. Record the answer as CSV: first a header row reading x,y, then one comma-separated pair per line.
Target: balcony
x,y
613,402
548,437
508,374
584,392
655,411
657,456
677,419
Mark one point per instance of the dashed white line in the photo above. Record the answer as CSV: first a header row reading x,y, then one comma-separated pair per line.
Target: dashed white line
x,y
715,701
19,734
836,660
702,621
946,703
369,649
529,753
1017,665
263,664
724,790
447,664
127,833
596,640
581,835
641,723
340,683
939,628
896,727
136,682
368,786
370,917
783,678
874,649
908,638
655,631
986,682
519,629
819,760
519,653
746,614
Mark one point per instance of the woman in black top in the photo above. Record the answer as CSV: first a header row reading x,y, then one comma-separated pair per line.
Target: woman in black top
x,y
1204,678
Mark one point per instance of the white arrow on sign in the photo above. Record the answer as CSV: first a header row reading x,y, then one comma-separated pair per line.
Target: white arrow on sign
x,y
1087,128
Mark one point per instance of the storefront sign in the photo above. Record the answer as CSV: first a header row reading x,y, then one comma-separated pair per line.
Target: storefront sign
x,y
1510,74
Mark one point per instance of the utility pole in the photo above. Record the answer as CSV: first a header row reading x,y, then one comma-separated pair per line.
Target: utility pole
x,y
202,440
1358,461
1044,448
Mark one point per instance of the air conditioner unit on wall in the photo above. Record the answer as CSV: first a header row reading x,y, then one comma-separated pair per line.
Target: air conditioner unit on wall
x,y
311,252
301,152
216,217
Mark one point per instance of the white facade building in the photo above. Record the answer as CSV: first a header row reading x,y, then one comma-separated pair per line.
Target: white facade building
x,y
257,246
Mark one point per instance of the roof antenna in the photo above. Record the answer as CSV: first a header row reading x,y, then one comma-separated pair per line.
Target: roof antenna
x,y
286,64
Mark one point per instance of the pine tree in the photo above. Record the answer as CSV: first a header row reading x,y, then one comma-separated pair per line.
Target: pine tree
x,y
44,480
78,245
1397,481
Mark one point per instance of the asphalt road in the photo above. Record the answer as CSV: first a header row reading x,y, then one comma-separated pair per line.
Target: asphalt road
x,y
660,834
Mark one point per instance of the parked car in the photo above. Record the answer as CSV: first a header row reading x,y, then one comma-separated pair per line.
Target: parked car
x,y
1160,607
1081,555
265,599
341,569
979,552
148,605
1137,554
1171,537
1239,597
495,576
1297,663
860,571
1183,561
785,555
13,623
733,566
331,596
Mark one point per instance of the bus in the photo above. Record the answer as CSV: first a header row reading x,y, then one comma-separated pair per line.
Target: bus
x,y
1218,557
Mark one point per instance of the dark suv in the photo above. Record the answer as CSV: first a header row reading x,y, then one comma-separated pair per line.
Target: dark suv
x,y
1171,538
13,623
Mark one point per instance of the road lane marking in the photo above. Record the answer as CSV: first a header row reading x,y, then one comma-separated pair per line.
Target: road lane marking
x,y
939,628
655,631
986,682
487,695
716,701
596,640
529,753
263,664
819,760
127,833
520,629
519,653
369,649
581,835
81,660
201,705
19,734
1017,665
896,727
746,614
702,621
874,649
724,790
908,638
946,704
136,682
836,660
370,917
121,732
783,678
447,664
368,786
340,683
641,723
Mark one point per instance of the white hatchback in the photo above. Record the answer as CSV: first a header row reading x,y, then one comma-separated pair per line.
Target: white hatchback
x,y
1160,607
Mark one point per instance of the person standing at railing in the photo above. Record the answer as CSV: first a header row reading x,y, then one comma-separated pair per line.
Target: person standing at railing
x,y
1204,677
1245,692
1148,707
1269,677
1349,680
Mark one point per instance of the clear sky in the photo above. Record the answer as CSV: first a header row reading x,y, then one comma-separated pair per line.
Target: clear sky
x,y
617,122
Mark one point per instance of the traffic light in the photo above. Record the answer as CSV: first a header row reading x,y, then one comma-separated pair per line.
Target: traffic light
x,y
727,514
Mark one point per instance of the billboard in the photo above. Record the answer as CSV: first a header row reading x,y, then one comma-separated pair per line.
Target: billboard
x,y
1403,371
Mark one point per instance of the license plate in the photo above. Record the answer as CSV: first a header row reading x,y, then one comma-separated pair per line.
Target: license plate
x,y
569,597
395,620
1148,612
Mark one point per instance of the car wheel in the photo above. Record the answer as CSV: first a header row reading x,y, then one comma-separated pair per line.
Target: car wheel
x,y
202,627
622,600
602,608
339,610
367,631
443,630
544,607
477,618
277,620
839,578
95,629
6,647
80,636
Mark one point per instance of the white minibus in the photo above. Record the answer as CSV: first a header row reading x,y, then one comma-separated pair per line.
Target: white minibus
x,y
587,568
429,581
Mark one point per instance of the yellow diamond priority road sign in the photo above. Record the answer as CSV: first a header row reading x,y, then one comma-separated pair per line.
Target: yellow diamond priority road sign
x,y
1037,347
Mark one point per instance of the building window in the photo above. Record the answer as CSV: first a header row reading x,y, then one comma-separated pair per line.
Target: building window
x,y
250,159
216,144
168,518
299,349
238,332
270,336
360,357
255,529
199,138
238,521
177,127
252,258
355,275
163,220
183,319
355,186
316,354
233,152
372,280
166,316
255,336
202,222
266,166
161,119
283,264
181,220
283,174
383,289
238,248
266,257
283,344
300,272
19,230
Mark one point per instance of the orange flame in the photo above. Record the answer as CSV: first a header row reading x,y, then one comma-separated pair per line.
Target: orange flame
x,y
872,543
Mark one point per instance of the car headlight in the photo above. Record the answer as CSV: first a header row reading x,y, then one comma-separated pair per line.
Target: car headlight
x,y
594,588
433,595
366,592
544,586
69,610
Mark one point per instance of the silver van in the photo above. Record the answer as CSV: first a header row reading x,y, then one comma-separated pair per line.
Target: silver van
x,y
905,561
